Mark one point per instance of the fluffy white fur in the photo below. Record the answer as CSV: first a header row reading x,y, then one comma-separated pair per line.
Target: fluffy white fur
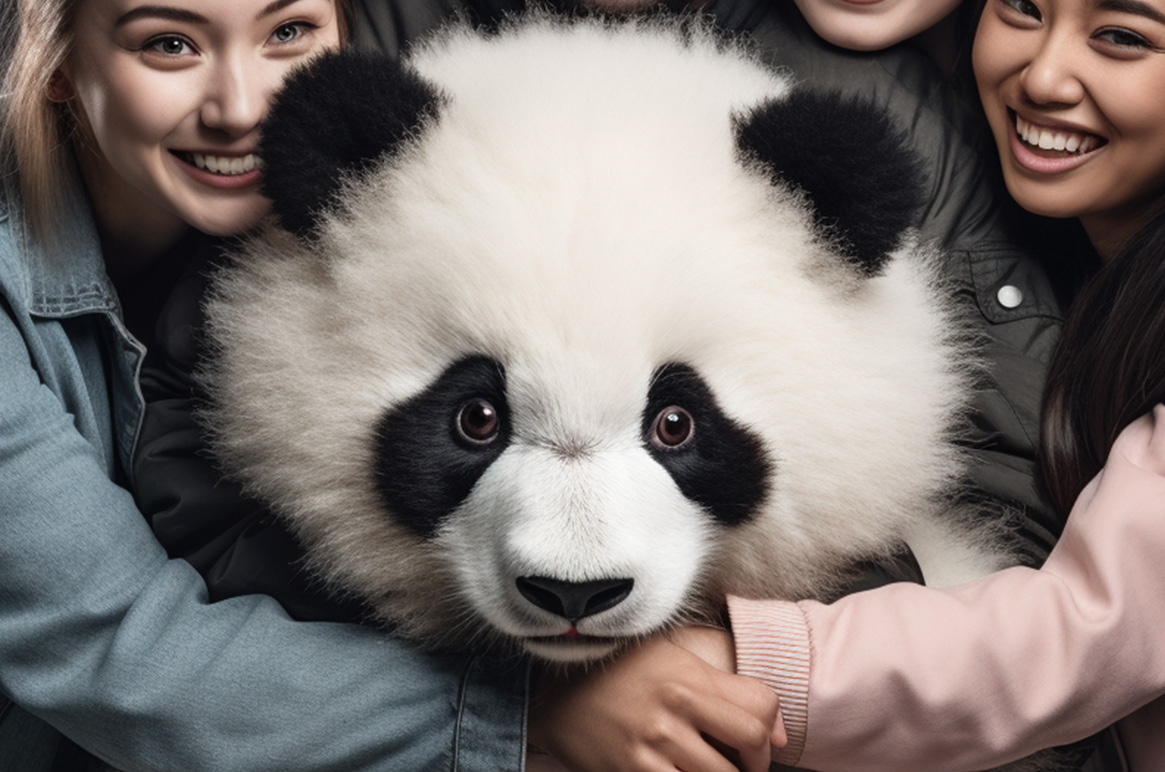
x,y
578,212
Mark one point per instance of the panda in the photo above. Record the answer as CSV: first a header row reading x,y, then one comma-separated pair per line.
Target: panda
x,y
567,330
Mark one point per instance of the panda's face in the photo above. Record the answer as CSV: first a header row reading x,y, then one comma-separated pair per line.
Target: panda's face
x,y
564,352
577,509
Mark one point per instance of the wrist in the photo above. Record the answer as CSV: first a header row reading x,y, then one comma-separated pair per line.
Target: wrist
x,y
713,645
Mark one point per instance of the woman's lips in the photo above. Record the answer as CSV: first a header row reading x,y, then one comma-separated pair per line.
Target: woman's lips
x,y
226,172
1051,150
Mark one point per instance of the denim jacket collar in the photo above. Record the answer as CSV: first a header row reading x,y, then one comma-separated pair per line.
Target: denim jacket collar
x,y
67,277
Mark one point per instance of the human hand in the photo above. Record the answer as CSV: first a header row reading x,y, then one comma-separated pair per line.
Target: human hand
x,y
656,708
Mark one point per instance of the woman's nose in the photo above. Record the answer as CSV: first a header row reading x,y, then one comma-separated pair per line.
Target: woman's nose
x,y
1050,77
237,98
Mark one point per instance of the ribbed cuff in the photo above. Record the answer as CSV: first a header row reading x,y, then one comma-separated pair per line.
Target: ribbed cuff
x,y
773,645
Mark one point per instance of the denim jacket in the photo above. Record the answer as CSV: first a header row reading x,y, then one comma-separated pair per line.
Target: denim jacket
x,y
108,640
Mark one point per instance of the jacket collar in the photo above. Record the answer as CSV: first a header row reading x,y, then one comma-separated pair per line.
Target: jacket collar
x,y
67,277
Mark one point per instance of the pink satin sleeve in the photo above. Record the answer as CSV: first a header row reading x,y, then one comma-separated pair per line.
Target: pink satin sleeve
x,y
906,678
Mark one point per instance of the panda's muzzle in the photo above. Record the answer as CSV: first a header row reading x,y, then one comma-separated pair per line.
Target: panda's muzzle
x,y
574,600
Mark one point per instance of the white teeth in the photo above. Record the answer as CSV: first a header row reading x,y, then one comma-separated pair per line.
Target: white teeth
x,y
225,165
1054,140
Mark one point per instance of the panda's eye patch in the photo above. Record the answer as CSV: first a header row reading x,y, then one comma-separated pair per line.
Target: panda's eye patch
x,y
478,422
722,465
432,447
672,428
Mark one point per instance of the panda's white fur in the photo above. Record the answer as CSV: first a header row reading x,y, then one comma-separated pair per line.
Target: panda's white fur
x,y
578,211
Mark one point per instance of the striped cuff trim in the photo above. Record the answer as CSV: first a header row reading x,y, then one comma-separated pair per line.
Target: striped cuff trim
x,y
773,645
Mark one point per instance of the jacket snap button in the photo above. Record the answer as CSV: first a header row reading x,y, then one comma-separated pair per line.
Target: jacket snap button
x,y
1009,296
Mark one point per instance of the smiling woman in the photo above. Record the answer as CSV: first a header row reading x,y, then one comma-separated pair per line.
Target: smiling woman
x,y
1065,85
168,102
128,140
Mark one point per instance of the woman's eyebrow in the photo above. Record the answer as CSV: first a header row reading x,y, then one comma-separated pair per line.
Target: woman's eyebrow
x,y
160,12
277,5
1136,7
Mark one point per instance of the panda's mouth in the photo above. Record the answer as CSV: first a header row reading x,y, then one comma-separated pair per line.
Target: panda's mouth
x,y
578,639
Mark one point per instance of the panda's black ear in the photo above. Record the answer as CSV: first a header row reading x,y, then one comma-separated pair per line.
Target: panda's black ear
x,y
337,116
850,160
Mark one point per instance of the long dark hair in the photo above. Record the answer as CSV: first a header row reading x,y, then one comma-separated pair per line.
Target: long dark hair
x,y
1109,367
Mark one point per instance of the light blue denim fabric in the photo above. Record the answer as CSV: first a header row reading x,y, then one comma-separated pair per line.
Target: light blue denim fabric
x,y
114,644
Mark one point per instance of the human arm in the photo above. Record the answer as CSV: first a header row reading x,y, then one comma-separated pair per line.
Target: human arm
x,y
909,678
115,644
654,709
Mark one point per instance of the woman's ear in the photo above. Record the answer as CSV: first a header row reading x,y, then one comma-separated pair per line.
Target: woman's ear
x,y
60,88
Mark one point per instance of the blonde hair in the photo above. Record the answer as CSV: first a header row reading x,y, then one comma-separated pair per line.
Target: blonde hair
x,y
33,130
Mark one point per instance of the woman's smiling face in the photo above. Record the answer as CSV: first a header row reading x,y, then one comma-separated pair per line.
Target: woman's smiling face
x,y
169,95
1073,90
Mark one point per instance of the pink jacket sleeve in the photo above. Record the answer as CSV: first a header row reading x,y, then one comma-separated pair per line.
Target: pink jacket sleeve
x,y
906,678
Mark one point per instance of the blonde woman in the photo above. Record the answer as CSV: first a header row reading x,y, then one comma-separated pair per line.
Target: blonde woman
x,y
129,131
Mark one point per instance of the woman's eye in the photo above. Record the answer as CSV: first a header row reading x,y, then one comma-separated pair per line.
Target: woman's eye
x,y
1122,38
672,428
1024,8
289,33
478,422
169,45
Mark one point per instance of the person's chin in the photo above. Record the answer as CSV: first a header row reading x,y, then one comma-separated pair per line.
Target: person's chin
x,y
235,220
1045,200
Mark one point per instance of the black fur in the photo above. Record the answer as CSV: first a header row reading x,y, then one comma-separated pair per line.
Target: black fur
x,y
424,469
724,466
337,116
864,182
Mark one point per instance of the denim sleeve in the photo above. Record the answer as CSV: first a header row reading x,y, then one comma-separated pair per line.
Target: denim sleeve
x,y
116,645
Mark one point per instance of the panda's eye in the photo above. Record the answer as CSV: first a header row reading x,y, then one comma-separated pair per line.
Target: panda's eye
x,y
672,428
478,422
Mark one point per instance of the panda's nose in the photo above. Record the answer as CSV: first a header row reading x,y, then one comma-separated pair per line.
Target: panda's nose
x,y
574,600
